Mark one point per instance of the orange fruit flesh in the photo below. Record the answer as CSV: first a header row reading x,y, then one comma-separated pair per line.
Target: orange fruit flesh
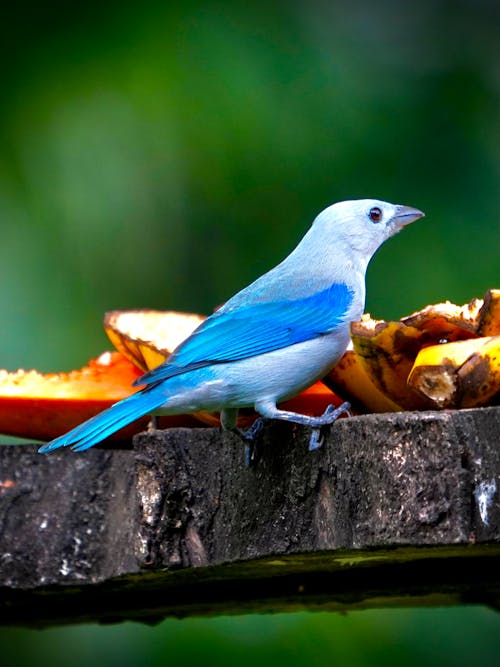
x,y
43,406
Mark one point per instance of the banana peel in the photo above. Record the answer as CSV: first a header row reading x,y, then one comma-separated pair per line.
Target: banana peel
x,y
447,321
387,351
350,380
463,374
376,376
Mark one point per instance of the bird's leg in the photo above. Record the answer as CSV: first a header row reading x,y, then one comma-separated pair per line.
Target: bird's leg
x,y
229,418
153,423
229,421
331,414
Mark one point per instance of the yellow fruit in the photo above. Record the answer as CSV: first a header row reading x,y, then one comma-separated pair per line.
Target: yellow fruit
x,y
350,380
148,337
387,351
462,374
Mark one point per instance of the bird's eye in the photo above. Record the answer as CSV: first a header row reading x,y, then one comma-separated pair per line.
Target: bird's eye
x,y
375,214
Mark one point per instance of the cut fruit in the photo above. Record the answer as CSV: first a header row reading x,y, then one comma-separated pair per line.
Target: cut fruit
x,y
148,337
43,406
350,380
392,366
447,320
463,374
387,351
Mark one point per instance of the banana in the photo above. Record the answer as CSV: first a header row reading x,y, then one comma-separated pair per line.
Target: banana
x,y
447,321
386,351
463,374
350,380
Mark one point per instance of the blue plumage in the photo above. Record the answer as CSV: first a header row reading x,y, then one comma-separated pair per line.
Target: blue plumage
x,y
256,329
111,420
272,339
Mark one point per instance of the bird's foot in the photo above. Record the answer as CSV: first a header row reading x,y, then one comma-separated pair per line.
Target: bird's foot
x,y
250,437
330,415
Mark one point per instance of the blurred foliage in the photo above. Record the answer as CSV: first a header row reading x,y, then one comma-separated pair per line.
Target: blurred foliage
x,y
165,154
434,637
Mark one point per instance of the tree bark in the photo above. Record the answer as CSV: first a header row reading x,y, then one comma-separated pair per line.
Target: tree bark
x,y
393,509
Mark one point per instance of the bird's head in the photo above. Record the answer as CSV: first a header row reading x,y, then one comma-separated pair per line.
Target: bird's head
x,y
364,224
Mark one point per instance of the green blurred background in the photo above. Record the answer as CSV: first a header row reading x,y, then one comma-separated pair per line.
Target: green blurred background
x,y
165,154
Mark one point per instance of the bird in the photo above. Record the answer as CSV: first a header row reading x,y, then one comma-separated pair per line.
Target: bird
x,y
272,339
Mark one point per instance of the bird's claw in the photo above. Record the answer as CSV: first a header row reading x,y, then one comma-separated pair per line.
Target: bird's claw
x,y
330,415
252,433
249,454
316,440
250,437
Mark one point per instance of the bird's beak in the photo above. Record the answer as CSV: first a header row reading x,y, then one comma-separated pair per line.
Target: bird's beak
x,y
406,214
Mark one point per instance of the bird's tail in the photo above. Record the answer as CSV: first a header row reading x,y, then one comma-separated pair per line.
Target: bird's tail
x,y
105,423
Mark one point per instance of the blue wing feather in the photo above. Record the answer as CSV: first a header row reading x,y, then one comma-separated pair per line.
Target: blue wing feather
x,y
256,329
107,422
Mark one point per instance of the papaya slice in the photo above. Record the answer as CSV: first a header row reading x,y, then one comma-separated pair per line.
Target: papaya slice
x,y
43,406
147,337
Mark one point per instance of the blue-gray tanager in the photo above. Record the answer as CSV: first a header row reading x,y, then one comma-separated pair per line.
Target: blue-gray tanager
x,y
271,340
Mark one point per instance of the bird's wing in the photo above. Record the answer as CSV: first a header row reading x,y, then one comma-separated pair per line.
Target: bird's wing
x,y
256,329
